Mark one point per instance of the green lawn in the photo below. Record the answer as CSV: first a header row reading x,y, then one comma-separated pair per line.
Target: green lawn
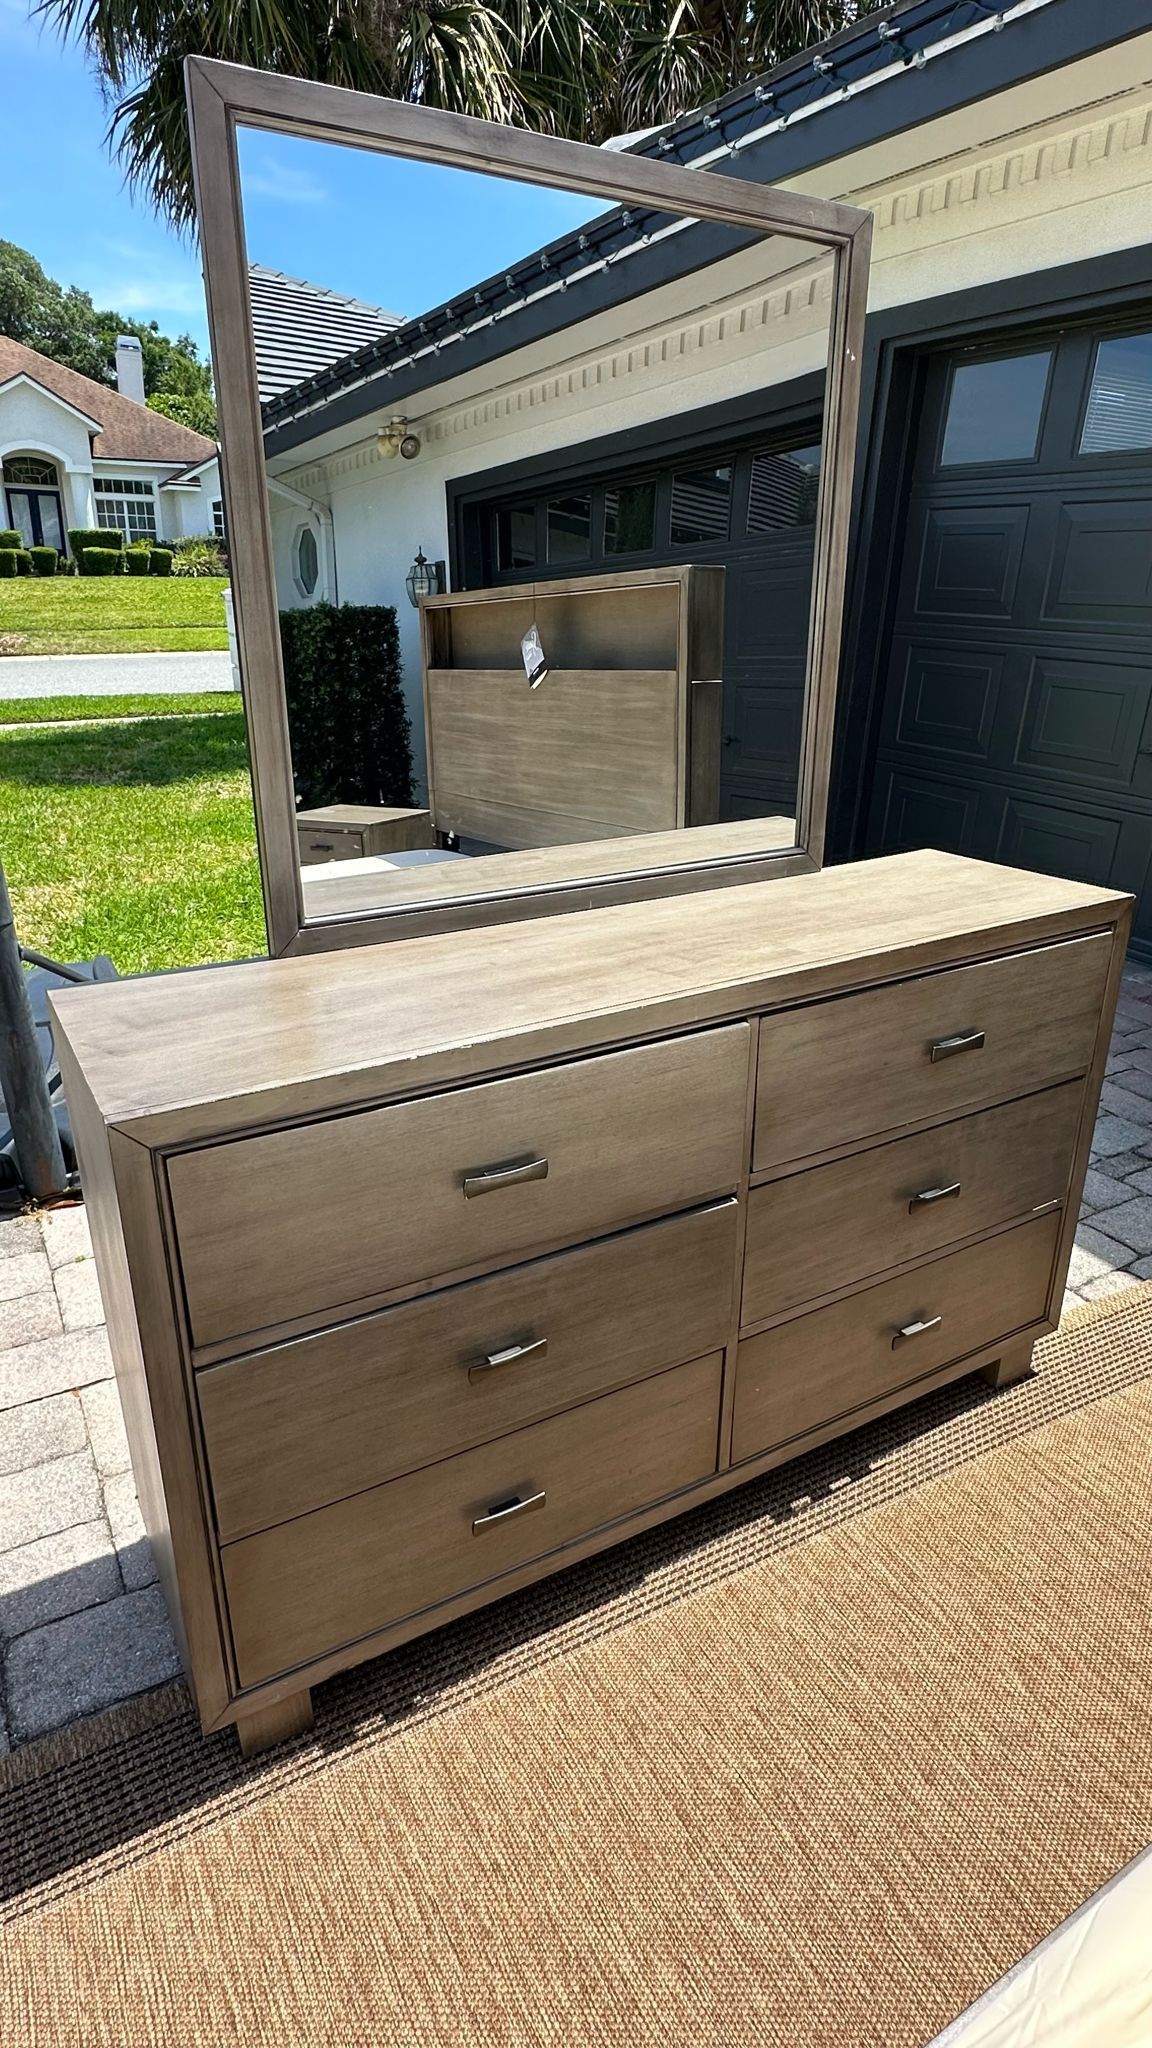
x,y
133,840
112,614
52,710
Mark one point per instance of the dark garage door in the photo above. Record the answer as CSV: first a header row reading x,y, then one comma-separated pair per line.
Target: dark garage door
x,y
1016,718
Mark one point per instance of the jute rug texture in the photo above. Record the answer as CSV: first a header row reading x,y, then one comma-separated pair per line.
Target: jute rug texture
x,y
814,1765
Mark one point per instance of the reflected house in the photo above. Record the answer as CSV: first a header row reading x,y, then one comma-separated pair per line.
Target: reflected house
x,y
582,413
74,452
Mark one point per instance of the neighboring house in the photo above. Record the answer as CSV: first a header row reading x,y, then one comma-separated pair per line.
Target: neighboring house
x,y
997,678
76,453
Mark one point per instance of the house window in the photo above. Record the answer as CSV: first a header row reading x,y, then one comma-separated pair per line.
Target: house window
x,y
994,410
29,470
306,561
570,529
630,518
128,504
783,489
701,500
1119,410
516,537
218,518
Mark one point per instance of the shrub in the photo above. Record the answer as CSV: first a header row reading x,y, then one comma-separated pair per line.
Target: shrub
x,y
81,538
198,554
23,562
102,562
10,538
8,562
351,739
138,561
44,561
160,562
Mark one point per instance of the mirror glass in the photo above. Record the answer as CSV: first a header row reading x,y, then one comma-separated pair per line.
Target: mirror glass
x,y
542,483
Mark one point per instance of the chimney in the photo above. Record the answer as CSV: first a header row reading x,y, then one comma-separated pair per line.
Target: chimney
x,y
130,368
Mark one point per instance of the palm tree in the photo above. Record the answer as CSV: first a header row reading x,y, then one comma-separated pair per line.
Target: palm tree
x,y
586,69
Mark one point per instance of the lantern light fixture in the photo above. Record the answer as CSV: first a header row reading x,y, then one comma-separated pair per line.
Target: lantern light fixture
x,y
424,578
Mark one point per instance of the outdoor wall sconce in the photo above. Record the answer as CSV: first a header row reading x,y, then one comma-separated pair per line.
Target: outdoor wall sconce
x,y
394,439
424,579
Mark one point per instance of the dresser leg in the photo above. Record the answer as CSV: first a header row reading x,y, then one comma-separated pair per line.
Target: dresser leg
x,y
269,1725
1014,1363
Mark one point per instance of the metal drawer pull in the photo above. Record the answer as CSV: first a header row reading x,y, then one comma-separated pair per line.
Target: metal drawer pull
x,y
927,1195
491,1177
964,1041
916,1329
512,1356
504,1510
319,846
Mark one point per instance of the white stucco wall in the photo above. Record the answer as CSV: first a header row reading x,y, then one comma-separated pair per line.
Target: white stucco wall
x,y
1049,172
32,422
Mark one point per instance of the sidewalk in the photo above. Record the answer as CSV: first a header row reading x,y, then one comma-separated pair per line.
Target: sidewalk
x,y
112,675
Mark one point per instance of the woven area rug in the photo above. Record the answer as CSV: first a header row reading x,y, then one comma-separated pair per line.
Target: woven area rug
x,y
812,1767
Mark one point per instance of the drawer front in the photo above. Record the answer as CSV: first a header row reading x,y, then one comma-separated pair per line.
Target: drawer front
x,y
834,1225
328,1214
293,1428
312,1585
329,843
850,1068
819,1367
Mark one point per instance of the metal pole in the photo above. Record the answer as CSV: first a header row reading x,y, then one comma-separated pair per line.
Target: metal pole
x,y
23,1081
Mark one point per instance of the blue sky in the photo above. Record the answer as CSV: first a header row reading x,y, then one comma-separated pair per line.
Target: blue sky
x,y
400,235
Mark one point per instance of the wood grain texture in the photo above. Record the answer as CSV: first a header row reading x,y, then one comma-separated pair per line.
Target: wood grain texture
x,y
304,1588
329,1213
818,1231
327,1031
845,1070
266,1726
294,1428
818,1367
604,745
351,831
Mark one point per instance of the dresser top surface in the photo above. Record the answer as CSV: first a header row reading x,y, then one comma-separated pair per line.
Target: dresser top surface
x,y
179,1056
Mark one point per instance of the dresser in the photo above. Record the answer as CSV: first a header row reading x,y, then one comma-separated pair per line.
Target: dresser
x,y
431,1268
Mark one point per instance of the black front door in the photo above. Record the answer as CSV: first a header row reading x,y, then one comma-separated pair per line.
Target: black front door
x,y
38,517
1017,715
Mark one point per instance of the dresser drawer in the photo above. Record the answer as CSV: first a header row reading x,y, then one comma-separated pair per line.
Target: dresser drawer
x,y
819,1367
304,1221
858,1065
818,1231
329,843
293,1428
326,1579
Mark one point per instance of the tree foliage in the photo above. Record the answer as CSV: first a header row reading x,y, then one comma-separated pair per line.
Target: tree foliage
x,y
586,69
64,323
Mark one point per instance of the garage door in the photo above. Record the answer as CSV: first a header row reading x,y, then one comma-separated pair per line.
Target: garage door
x,y
1016,718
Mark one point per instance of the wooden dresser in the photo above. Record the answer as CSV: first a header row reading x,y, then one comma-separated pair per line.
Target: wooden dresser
x,y
433,1267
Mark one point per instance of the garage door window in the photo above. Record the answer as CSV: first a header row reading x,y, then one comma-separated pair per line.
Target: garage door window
x,y
783,489
994,410
700,505
1119,410
630,518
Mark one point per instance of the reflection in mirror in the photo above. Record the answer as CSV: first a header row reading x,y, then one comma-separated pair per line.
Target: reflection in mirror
x,y
543,485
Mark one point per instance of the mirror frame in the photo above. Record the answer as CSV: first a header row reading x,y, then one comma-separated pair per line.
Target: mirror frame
x,y
224,97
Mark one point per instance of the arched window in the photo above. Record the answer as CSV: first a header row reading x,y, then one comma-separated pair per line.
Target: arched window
x,y
31,470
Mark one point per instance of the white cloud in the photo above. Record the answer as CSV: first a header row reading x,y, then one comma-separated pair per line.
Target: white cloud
x,y
274,180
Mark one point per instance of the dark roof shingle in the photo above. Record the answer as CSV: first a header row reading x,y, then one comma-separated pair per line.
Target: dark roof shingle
x,y
299,328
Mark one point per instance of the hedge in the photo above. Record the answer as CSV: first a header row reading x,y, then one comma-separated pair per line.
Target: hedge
x,y
349,727
102,562
160,562
45,561
10,537
82,538
136,561
23,562
8,563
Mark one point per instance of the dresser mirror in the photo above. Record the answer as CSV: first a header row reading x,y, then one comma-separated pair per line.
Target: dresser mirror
x,y
535,463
